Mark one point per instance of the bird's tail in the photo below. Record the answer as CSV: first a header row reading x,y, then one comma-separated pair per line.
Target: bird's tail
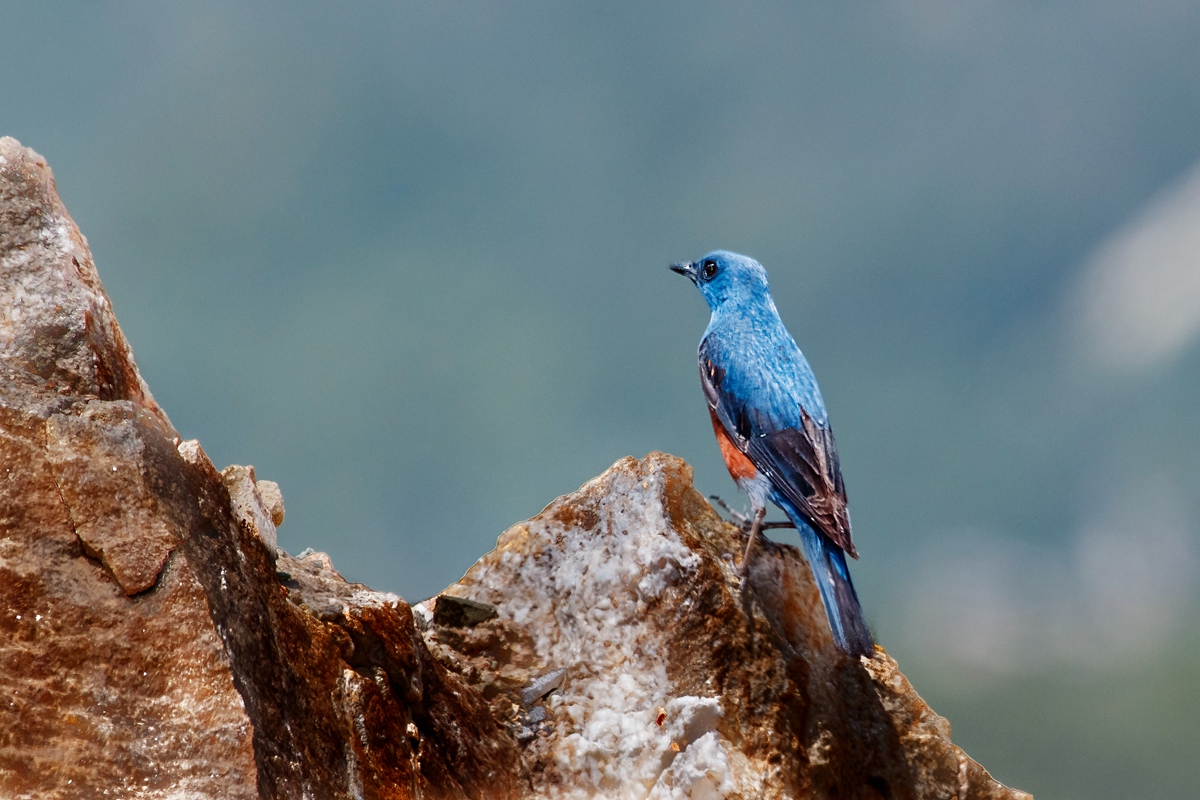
x,y
828,563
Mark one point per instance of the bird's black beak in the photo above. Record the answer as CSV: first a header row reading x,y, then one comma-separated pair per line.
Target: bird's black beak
x,y
685,268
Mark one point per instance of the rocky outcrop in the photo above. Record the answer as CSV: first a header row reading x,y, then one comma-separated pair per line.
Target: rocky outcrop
x,y
155,643
677,681
148,647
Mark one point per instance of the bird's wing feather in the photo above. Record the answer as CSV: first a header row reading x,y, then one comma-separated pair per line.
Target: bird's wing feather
x,y
767,420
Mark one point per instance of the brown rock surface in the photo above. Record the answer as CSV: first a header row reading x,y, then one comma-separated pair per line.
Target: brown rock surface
x,y
147,647
154,643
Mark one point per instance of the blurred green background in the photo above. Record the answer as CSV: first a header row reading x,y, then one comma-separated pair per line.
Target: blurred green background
x,y
409,260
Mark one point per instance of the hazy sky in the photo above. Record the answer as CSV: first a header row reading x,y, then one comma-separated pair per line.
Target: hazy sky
x,y
409,260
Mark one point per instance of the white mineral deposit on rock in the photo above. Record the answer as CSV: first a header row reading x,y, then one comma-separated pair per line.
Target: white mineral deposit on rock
x,y
679,682
582,592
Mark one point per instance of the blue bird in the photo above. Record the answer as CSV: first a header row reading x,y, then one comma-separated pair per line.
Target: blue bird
x,y
773,430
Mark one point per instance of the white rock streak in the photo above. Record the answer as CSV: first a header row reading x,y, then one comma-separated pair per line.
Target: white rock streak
x,y
583,585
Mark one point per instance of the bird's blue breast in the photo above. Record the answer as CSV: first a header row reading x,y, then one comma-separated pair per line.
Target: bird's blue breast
x,y
763,367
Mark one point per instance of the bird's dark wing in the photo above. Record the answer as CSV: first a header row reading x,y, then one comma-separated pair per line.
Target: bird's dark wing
x,y
768,422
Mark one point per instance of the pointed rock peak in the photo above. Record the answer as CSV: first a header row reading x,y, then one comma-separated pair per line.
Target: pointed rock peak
x,y
58,335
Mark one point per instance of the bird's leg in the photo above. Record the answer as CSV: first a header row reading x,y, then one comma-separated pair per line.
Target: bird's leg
x,y
745,523
754,528
739,519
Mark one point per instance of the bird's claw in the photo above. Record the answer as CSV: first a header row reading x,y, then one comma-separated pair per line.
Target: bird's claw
x,y
735,517
745,523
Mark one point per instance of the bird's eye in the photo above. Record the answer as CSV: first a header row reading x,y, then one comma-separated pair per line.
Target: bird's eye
x,y
709,269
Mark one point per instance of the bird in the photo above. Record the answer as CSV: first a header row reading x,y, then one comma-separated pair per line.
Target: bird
x,y
773,430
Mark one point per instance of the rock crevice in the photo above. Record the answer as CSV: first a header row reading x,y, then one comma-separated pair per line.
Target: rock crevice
x,y
155,643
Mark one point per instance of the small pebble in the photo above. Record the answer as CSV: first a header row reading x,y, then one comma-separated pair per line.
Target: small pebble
x,y
541,686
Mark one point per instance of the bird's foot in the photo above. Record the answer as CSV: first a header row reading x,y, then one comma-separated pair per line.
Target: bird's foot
x,y
744,522
736,517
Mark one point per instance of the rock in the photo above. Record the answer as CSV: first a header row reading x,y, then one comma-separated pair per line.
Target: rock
x,y
147,647
541,686
459,612
272,500
57,330
679,681
249,507
155,642
95,456
113,675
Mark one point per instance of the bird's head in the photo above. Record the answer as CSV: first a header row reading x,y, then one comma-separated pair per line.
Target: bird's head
x,y
723,277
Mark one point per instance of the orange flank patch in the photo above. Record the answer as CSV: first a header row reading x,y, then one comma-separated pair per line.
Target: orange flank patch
x,y
740,467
